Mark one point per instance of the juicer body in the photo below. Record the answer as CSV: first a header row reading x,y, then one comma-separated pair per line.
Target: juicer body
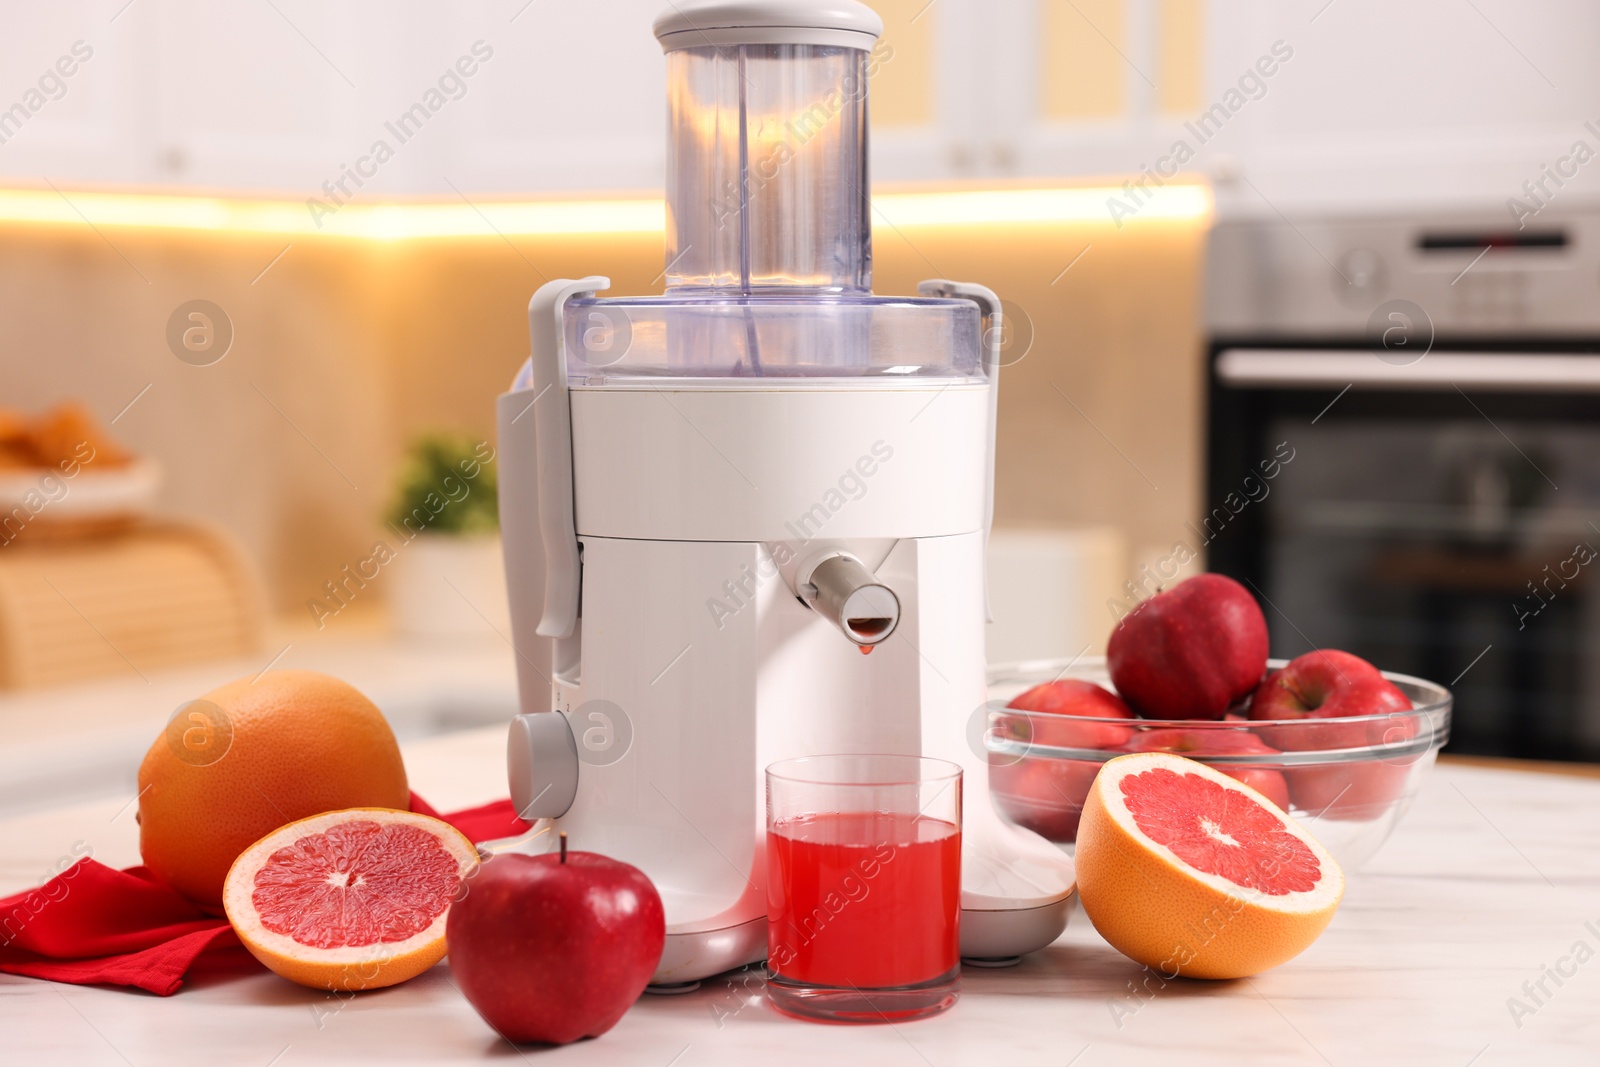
x,y
714,501
690,660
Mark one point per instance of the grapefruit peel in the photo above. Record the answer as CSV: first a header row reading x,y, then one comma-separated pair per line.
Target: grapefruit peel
x,y
1191,872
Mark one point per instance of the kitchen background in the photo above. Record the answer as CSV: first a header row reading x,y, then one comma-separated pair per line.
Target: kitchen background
x,y
1074,155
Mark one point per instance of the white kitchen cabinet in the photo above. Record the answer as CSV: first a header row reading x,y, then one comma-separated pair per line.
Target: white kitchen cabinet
x,y
1379,103
1305,106
1086,87
283,96
286,95
573,99
1389,106
243,100
90,125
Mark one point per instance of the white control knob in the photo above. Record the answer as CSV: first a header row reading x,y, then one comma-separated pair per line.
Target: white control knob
x,y
542,764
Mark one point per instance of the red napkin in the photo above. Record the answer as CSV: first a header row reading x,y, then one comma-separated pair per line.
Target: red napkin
x,y
493,820
94,925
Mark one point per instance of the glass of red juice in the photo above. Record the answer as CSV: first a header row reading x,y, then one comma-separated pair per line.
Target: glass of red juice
x,y
863,887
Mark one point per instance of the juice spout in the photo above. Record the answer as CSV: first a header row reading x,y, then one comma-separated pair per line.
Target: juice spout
x,y
848,595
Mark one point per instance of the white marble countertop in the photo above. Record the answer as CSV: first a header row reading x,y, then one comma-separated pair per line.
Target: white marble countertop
x,y
1493,876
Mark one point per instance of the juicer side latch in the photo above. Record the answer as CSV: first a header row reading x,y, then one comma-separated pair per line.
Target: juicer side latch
x,y
553,437
541,753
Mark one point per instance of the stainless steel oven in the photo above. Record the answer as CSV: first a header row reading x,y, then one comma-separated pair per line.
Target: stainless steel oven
x,y
1427,392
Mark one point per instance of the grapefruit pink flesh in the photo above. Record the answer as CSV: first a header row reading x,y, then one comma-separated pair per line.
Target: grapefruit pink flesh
x,y
356,883
348,900
1220,831
1200,742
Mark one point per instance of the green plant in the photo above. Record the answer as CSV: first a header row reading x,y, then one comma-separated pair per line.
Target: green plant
x,y
447,485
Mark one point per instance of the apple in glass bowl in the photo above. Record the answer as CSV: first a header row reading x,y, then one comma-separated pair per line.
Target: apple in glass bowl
x,y
1353,777
1065,714
1339,702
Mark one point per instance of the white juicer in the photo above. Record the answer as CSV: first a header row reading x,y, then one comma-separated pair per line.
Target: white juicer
x,y
714,501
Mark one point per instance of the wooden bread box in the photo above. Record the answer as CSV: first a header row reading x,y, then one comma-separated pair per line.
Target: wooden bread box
x,y
149,596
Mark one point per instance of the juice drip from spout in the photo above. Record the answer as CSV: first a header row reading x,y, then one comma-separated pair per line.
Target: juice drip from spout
x,y
865,649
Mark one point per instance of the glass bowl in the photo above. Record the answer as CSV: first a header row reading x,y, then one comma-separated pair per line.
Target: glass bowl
x,y
1347,780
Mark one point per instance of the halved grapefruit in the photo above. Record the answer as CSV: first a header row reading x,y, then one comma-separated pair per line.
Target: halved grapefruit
x,y
1192,873
349,900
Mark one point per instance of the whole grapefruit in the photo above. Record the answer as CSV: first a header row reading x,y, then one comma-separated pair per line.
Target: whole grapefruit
x,y
251,756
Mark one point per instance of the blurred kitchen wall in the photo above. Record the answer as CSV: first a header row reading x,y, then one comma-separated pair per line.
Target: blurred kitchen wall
x,y
345,348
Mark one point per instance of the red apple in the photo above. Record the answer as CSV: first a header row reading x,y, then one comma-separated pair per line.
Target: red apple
x,y
1043,795
557,947
1191,651
1330,684
1080,700
1349,792
1200,743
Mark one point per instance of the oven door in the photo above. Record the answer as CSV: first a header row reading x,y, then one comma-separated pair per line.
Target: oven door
x,y
1438,517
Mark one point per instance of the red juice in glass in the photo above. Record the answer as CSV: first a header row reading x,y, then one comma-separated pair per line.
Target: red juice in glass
x,y
863,899
863,886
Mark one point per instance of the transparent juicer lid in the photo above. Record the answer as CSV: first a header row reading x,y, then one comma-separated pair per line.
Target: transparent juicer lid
x,y
769,241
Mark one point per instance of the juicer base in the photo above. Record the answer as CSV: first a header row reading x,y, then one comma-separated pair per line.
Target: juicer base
x,y
985,936
673,989
689,957
1013,932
